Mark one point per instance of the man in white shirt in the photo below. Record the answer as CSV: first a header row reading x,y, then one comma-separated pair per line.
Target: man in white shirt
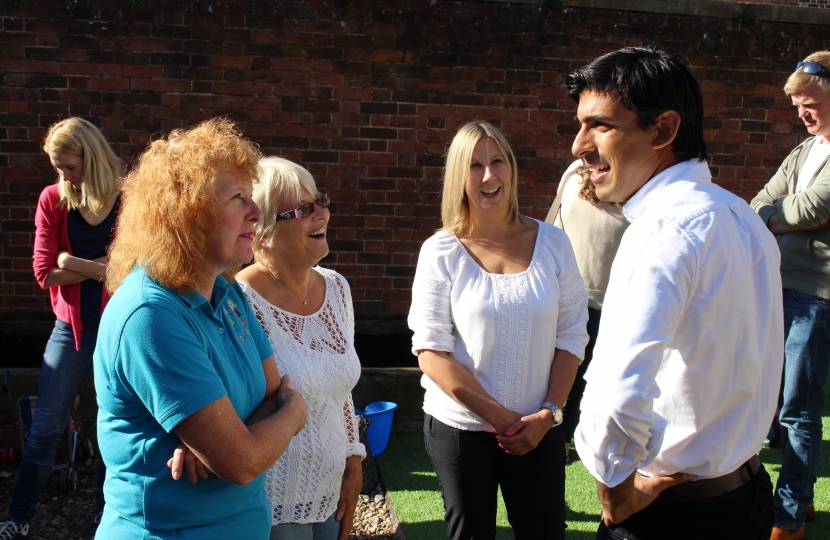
x,y
687,366
795,205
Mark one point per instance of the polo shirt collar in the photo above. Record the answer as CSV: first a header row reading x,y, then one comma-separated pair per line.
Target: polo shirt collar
x,y
691,170
195,299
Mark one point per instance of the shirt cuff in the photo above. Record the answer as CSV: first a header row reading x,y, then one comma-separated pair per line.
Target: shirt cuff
x,y
443,343
356,449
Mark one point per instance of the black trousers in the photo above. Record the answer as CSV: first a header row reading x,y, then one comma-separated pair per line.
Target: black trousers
x,y
744,513
571,408
471,466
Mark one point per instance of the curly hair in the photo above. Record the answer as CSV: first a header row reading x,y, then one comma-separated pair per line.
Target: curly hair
x,y
102,168
169,206
455,209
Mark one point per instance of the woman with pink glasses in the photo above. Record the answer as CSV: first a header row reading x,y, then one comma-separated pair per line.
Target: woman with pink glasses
x,y
307,314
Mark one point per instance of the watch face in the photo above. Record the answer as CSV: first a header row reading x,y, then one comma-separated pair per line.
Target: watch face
x,y
557,416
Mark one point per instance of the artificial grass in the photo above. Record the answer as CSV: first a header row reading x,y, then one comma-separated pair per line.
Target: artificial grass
x,y
413,488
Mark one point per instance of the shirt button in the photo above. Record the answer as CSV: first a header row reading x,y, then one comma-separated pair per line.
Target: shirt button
x,y
221,330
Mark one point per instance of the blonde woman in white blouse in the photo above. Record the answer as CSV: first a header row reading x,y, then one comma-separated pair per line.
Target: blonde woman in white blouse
x,y
498,314
306,312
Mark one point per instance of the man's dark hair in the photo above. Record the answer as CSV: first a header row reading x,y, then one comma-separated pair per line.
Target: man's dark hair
x,y
649,82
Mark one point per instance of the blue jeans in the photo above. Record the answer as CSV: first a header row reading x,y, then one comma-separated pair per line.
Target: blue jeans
x,y
806,366
61,377
327,530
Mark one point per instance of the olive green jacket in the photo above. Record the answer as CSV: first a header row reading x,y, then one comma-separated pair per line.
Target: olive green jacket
x,y
805,255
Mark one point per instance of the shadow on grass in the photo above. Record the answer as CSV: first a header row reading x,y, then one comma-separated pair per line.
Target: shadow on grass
x,y
417,473
429,530
435,530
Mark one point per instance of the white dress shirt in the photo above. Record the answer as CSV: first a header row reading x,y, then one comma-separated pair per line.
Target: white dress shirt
x,y
687,366
504,328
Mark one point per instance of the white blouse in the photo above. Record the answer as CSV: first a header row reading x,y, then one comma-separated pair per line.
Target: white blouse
x,y
317,351
504,328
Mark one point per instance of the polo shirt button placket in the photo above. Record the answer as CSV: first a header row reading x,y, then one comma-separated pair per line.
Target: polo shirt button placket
x,y
221,330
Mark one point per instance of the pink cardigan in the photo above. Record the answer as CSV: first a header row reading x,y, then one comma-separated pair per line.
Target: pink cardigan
x,y
52,237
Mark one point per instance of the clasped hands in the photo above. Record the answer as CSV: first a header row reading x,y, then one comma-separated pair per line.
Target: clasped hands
x,y
519,434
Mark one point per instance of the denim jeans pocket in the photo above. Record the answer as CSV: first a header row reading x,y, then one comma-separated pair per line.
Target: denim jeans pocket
x,y
807,298
62,325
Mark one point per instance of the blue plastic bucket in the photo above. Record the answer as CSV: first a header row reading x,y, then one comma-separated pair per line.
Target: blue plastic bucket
x,y
381,414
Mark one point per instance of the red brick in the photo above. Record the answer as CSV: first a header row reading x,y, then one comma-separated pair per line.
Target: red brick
x,y
170,85
137,44
140,85
78,68
239,62
241,88
148,72
109,83
21,66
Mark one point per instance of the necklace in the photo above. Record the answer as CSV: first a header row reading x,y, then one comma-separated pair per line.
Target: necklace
x,y
307,294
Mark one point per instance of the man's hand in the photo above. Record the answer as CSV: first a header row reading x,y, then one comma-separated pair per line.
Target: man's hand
x,y
185,460
633,494
349,491
524,434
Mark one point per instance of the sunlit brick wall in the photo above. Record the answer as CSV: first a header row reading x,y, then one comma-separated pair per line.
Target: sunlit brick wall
x,y
366,97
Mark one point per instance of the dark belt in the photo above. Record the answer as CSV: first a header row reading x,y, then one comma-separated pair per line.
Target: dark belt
x,y
712,487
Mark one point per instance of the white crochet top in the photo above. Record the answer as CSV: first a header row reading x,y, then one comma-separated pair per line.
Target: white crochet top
x,y
317,351
504,328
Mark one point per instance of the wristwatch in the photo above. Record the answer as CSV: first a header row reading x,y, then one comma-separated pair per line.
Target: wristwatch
x,y
557,412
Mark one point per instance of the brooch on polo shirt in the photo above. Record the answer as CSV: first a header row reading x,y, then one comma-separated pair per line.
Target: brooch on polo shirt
x,y
242,331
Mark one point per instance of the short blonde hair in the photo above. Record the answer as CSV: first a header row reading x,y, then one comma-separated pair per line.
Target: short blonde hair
x,y
455,209
102,168
281,182
799,81
169,206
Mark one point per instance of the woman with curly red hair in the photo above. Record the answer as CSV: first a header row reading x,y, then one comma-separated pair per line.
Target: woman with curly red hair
x,y
182,367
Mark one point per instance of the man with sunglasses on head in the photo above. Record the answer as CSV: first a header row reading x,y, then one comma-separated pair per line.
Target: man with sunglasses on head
x,y
795,205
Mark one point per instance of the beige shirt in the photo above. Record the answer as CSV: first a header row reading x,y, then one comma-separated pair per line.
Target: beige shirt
x,y
595,232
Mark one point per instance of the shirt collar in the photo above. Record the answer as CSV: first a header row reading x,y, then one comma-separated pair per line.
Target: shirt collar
x,y
691,170
195,299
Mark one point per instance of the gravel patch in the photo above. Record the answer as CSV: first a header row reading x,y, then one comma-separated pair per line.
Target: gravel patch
x,y
375,518
58,516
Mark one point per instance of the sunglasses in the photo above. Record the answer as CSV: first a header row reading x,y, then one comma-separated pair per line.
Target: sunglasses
x,y
307,209
813,68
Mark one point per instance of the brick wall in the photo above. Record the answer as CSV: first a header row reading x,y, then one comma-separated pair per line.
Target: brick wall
x,y
798,3
366,98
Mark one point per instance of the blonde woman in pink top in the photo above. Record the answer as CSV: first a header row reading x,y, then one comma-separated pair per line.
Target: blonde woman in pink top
x,y
75,221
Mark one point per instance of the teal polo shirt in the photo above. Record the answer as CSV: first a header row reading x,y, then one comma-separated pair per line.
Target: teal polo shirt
x,y
160,357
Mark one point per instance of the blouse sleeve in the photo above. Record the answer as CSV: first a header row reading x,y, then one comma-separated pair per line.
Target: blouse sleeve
x,y
430,315
355,447
571,331
348,308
